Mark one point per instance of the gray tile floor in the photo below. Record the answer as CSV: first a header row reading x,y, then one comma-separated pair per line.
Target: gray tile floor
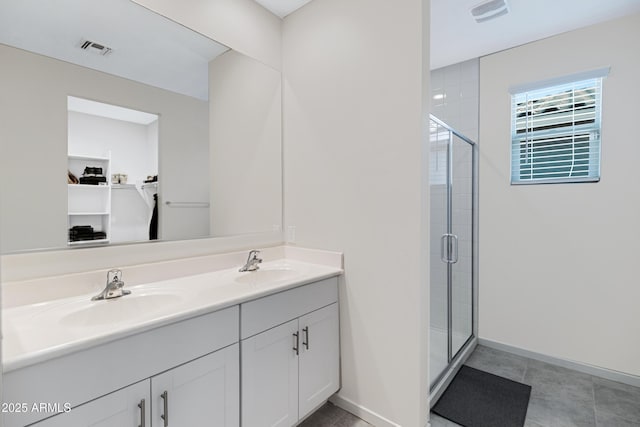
x,y
560,397
332,416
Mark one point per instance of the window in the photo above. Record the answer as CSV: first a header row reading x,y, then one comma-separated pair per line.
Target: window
x,y
555,133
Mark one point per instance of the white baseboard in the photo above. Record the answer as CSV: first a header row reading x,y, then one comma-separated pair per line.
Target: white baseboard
x,y
362,412
597,371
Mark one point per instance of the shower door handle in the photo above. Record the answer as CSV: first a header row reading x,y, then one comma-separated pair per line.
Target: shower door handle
x,y
444,243
454,240
449,248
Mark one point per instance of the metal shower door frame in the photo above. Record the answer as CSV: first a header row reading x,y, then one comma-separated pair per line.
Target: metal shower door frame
x,y
456,360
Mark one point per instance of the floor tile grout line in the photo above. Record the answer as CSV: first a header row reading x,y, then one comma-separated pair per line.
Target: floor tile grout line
x,y
593,392
524,374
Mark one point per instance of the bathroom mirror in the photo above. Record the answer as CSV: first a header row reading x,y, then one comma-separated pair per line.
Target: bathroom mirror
x,y
218,127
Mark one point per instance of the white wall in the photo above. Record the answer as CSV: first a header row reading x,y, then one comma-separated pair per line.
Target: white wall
x,y
245,121
558,263
243,25
353,174
34,143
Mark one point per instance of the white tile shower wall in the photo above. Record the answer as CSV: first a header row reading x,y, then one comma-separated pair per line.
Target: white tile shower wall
x,y
455,98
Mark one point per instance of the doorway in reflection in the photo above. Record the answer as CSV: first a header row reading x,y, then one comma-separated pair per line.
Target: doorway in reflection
x,y
112,173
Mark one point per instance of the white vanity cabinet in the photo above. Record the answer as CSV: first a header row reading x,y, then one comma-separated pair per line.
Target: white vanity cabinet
x,y
196,361
290,354
204,392
264,361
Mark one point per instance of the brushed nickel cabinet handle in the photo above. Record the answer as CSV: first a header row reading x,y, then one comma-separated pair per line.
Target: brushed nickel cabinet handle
x,y
165,416
297,344
142,405
306,337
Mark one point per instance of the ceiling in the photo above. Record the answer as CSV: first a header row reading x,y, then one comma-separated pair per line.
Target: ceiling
x,y
170,56
456,37
282,8
165,54
115,112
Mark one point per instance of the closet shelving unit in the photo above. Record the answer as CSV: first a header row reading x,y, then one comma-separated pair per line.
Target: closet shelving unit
x,y
89,204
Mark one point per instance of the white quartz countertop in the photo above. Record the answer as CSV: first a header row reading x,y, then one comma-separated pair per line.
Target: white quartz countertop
x,y
36,332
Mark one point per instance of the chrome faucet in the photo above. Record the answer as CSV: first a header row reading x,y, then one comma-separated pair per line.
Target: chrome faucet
x,y
252,262
113,288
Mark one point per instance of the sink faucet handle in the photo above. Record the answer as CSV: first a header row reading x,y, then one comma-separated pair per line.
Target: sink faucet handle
x,y
114,276
114,286
252,261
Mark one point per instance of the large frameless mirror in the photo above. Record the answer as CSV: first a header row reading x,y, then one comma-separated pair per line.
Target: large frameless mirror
x,y
119,125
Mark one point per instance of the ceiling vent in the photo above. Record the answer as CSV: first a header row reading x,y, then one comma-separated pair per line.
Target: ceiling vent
x,y
489,9
94,47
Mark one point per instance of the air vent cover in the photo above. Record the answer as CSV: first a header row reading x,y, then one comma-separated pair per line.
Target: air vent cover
x,y
94,47
489,9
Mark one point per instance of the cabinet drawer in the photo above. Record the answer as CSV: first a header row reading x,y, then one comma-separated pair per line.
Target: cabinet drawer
x,y
265,313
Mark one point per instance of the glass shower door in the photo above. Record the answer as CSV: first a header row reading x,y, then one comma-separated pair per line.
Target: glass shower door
x,y
451,184
461,216
439,309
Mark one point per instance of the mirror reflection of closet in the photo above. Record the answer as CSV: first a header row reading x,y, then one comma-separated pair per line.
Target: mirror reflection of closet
x,y
113,173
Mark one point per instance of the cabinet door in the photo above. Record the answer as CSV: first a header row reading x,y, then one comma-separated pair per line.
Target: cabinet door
x,y
203,393
319,362
270,378
122,408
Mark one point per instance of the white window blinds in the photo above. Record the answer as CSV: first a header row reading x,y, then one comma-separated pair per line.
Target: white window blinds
x,y
555,133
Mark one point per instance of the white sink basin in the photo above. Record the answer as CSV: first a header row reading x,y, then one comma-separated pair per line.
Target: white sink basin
x,y
267,275
116,310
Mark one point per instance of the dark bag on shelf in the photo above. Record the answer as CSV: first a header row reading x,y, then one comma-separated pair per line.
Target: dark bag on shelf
x,y
93,180
92,171
81,233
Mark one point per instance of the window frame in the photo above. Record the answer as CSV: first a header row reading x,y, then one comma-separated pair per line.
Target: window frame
x,y
558,87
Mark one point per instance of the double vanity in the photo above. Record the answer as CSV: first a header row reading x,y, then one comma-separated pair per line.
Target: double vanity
x,y
217,347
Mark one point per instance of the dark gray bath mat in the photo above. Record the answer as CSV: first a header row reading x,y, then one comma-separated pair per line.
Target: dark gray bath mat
x,y
480,399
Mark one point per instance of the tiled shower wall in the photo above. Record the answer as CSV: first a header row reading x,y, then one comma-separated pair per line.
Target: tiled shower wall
x,y
455,99
455,92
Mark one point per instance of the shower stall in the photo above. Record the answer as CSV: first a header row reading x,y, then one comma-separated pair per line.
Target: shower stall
x,y
453,231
